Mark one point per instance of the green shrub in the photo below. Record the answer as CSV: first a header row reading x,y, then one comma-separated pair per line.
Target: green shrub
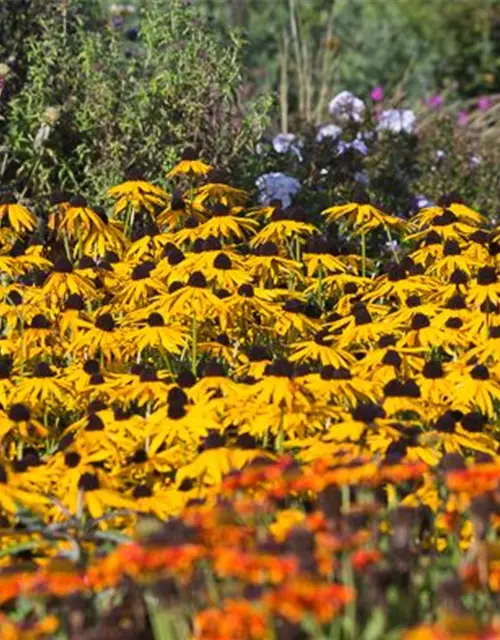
x,y
93,105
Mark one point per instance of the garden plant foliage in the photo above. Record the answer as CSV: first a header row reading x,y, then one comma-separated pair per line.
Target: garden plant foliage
x,y
92,105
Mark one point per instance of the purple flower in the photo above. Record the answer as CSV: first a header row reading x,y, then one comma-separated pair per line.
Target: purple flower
x,y
117,22
434,101
462,118
377,94
483,103
287,142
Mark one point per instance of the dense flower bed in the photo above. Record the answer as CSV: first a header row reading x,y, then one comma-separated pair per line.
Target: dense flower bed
x,y
215,423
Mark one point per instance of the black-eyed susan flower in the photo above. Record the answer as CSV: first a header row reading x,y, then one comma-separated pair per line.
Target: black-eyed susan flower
x,y
486,287
140,287
17,215
137,193
19,422
434,386
217,189
189,165
321,349
476,387
319,257
359,327
448,202
268,266
422,333
63,281
447,226
43,388
340,386
58,203
225,271
362,216
102,339
154,333
194,299
160,501
226,224
94,493
80,220
284,225
13,495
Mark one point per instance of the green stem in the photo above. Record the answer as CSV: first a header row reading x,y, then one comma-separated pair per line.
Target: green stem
x,y
193,345
389,238
281,433
363,254
66,245
349,618
320,286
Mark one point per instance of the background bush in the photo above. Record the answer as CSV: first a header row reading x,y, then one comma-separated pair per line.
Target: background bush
x,y
93,105
91,92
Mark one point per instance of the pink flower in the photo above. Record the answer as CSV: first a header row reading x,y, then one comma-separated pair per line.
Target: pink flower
x,y
462,118
434,101
377,94
483,103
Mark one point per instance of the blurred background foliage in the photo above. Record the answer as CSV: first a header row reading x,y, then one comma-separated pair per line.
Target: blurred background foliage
x,y
412,48
89,88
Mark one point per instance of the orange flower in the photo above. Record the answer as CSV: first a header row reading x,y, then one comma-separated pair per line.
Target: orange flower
x,y
237,620
138,561
363,558
254,568
44,628
300,597
476,480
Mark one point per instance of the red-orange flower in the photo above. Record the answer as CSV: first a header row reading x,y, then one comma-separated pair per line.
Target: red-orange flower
x,y
237,620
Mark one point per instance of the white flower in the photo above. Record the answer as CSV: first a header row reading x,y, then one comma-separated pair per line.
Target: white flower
x,y
286,142
421,202
440,154
358,144
392,246
475,160
277,186
345,106
328,131
42,135
397,120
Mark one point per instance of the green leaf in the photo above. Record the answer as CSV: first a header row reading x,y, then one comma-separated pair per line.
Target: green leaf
x,y
375,628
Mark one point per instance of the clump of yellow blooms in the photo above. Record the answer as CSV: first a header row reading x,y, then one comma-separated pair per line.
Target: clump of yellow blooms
x,y
277,431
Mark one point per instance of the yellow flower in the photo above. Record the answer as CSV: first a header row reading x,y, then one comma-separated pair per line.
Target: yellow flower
x,y
137,193
18,216
189,165
363,216
285,521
